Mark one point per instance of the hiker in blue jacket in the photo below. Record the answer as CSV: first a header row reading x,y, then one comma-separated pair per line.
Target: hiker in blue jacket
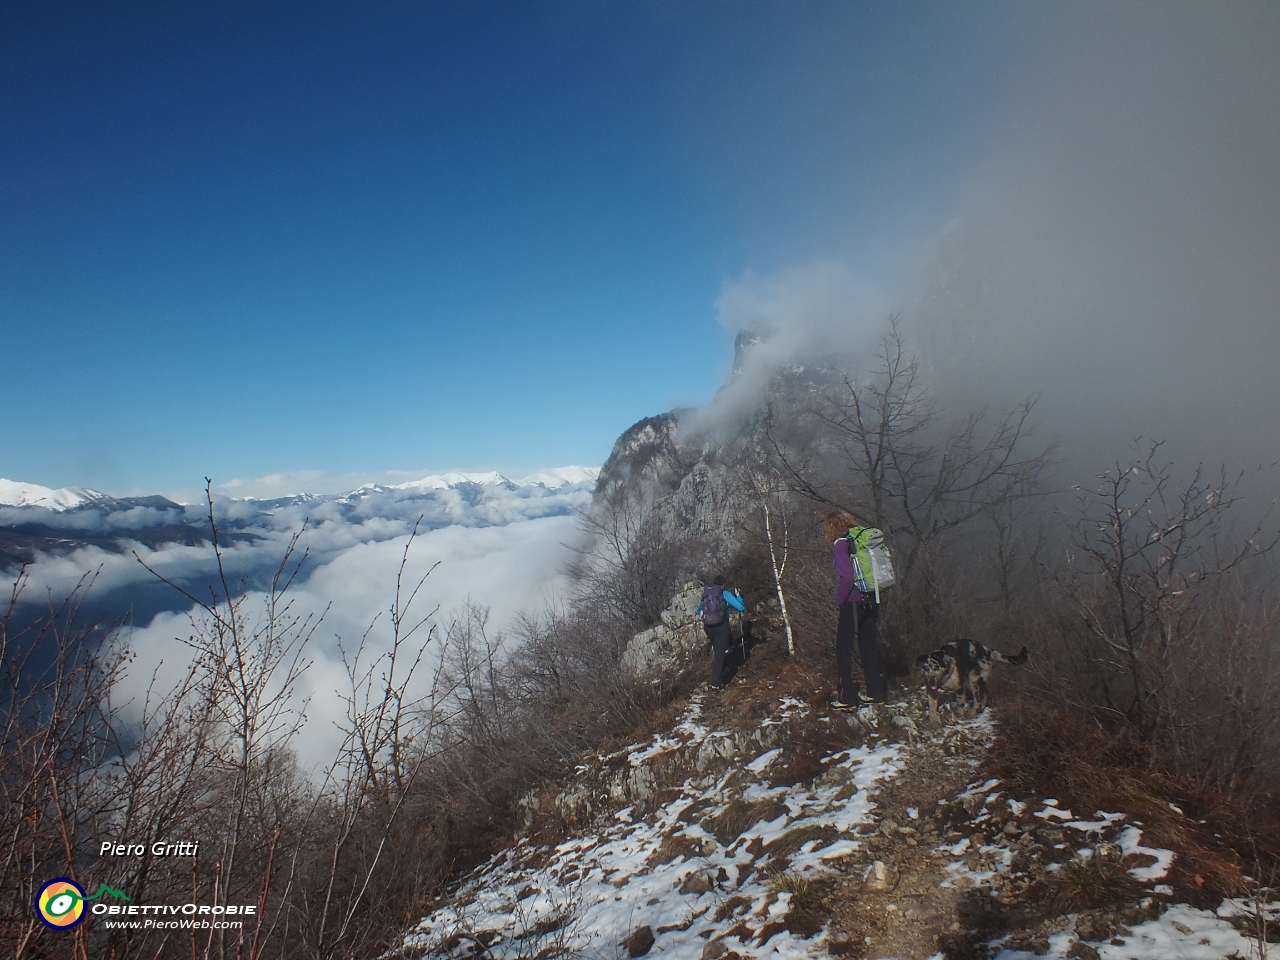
x,y
714,611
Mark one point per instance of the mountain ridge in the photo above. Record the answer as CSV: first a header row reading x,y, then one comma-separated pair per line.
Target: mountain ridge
x,y
17,493
39,521
761,823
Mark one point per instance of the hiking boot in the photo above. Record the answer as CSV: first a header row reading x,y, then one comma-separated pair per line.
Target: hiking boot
x,y
842,705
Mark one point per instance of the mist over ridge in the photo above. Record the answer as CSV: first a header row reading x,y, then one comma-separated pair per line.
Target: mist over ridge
x,y
1112,250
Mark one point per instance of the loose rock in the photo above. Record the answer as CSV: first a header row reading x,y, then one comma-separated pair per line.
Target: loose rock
x,y
640,942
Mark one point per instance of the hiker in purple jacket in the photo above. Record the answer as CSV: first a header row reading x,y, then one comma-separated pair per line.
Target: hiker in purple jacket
x,y
713,608
858,616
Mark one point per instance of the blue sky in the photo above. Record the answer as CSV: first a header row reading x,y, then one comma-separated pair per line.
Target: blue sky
x,y
239,239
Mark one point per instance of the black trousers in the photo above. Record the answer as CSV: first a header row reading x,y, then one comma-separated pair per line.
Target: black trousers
x,y
719,637
858,622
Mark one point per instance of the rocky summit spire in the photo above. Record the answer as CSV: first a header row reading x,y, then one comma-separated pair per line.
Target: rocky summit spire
x,y
744,341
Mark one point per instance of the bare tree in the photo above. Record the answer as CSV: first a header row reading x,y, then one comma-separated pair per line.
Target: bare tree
x,y
760,473
1147,556
54,674
246,667
913,472
389,735
878,445
632,560
153,785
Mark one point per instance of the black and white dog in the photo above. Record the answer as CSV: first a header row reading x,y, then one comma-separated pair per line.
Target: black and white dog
x,y
958,671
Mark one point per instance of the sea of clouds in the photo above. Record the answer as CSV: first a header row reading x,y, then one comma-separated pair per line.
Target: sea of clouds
x,y
500,545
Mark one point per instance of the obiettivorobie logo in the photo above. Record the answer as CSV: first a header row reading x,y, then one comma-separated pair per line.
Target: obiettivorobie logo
x,y
60,902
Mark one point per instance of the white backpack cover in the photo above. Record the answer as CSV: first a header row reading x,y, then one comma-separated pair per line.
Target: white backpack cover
x,y
872,564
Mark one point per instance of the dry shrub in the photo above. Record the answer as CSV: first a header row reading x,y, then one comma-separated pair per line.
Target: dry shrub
x,y
739,815
791,841
810,599
813,745
1216,838
1095,881
660,718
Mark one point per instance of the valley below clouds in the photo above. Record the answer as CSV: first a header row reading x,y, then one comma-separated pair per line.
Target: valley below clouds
x,y
482,539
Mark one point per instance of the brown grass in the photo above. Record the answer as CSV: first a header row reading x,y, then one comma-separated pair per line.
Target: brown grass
x,y
675,845
803,922
1217,839
807,751
659,718
731,906
730,823
1094,882
791,841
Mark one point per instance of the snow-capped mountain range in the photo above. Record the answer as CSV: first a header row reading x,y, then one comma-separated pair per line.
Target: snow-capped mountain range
x,y
38,521
17,494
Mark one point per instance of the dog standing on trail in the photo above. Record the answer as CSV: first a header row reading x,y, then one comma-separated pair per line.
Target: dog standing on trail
x,y
959,669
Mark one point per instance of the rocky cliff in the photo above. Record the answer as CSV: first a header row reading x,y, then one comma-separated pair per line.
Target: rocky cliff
x,y
687,466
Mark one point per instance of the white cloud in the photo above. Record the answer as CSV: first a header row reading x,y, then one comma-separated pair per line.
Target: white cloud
x,y
808,313
497,544
510,569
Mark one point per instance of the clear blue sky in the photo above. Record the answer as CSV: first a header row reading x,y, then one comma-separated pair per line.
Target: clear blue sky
x,y
246,238
240,238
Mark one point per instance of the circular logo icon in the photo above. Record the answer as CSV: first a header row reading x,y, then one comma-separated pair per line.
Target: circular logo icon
x,y
60,903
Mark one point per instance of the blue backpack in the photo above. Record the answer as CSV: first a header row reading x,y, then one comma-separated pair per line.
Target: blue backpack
x,y
714,609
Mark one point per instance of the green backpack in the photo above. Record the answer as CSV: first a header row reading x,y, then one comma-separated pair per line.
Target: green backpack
x,y
872,565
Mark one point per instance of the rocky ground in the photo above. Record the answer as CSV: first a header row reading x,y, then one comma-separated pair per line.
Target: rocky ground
x,y
766,824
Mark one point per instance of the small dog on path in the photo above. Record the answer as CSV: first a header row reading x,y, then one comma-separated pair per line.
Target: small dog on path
x,y
959,669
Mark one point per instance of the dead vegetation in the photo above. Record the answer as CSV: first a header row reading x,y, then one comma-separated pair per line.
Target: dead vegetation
x,y
806,754
730,824
1219,840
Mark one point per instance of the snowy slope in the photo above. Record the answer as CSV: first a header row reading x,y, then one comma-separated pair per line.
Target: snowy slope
x,y
551,479
667,869
16,494
697,845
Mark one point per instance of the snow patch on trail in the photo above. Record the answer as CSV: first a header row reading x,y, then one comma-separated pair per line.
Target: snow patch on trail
x,y
1181,933
1128,841
719,859
588,894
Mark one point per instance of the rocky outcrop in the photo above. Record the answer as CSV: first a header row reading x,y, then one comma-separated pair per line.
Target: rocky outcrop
x,y
679,635
633,777
684,469
647,454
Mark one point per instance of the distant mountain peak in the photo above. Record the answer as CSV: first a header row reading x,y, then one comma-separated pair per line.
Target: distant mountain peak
x,y
443,481
16,494
552,479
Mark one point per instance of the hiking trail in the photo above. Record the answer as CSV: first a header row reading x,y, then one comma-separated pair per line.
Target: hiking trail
x,y
762,824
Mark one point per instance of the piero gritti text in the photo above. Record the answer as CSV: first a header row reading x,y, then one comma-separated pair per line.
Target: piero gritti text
x,y
161,848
